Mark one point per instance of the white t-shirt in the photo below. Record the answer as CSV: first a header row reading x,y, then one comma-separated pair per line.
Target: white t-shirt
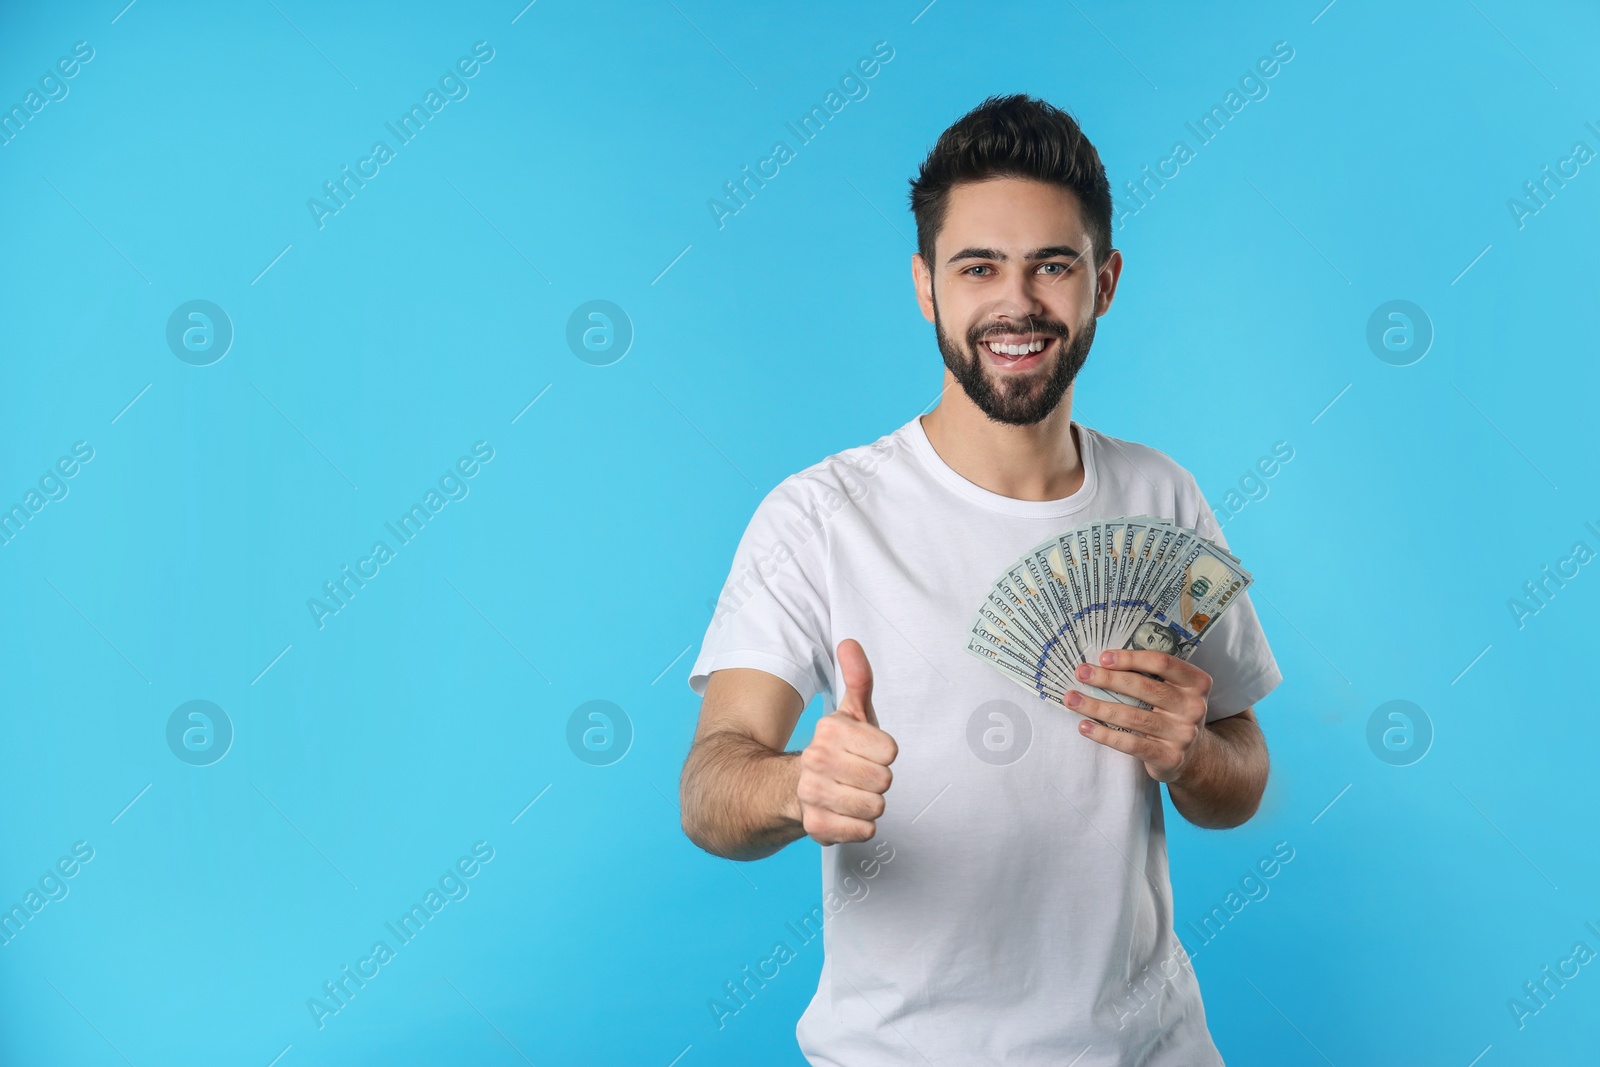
x,y
1026,916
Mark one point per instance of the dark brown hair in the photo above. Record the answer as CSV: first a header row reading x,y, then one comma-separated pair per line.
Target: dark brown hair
x,y
1016,136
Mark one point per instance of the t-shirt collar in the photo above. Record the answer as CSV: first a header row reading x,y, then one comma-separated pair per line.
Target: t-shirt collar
x,y
923,449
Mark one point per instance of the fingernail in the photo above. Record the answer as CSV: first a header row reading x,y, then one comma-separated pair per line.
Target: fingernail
x,y
1108,658
1086,727
1084,671
1074,698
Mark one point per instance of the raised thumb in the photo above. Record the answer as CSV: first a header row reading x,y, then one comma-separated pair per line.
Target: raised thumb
x,y
856,674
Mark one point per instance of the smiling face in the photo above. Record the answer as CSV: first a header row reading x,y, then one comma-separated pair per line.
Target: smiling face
x,y
1014,294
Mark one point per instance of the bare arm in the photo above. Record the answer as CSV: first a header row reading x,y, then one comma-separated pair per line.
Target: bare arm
x,y
744,798
738,789
1215,772
1222,782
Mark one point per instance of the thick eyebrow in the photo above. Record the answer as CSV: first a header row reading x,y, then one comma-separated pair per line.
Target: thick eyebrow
x,y
1048,252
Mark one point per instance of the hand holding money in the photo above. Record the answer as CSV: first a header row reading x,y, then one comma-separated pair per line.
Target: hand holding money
x,y
1139,585
1164,734
844,772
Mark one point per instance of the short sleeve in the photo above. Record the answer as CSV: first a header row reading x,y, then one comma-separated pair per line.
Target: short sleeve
x,y
773,612
1235,653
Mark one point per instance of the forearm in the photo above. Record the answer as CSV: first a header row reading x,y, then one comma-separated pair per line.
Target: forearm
x,y
1227,773
739,797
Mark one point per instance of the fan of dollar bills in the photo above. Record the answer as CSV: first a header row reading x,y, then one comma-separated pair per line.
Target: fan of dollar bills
x,y
1138,582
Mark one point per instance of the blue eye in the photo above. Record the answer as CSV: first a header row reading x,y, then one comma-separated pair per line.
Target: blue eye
x,y
1062,271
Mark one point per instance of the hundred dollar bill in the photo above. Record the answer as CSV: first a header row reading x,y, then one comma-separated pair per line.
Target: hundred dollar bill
x,y
1033,630
986,652
1069,569
1128,582
1022,636
1210,584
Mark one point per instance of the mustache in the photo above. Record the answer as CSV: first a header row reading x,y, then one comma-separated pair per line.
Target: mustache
x,y
1048,327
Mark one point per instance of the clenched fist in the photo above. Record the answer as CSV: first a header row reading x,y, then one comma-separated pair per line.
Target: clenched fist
x,y
844,771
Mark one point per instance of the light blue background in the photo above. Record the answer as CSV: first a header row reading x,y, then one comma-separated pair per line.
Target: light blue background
x,y
429,312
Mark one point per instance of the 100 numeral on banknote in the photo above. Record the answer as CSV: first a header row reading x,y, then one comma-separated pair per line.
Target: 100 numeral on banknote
x,y
1137,582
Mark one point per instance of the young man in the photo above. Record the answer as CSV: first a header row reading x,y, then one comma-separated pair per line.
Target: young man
x,y
1019,909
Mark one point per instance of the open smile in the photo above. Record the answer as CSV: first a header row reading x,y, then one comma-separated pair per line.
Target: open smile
x,y
1016,352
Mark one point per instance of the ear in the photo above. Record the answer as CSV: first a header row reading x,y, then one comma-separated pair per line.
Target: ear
x,y
922,280
1106,282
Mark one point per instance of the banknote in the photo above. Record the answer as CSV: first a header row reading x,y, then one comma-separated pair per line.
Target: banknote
x,y
1136,582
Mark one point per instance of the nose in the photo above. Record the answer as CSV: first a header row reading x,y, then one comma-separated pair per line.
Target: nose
x,y
1020,299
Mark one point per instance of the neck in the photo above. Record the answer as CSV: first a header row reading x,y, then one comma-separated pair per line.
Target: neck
x,y
1039,461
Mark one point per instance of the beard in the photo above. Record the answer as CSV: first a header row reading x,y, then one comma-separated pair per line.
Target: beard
x,y
1017,399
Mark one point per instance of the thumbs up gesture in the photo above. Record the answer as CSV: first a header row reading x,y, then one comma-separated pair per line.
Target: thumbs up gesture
x,y
844,771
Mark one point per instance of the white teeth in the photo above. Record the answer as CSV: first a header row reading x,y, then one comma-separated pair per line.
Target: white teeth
x,y
1016,350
